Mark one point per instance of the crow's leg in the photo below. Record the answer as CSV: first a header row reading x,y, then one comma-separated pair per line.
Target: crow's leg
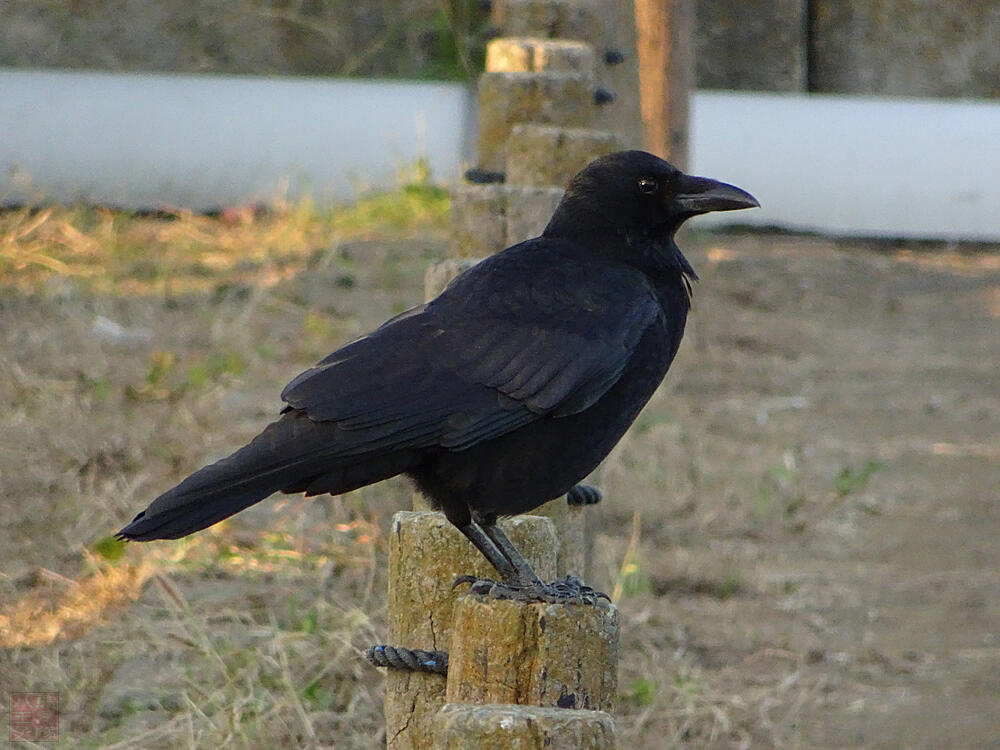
x,y
475,534
525,574
521,582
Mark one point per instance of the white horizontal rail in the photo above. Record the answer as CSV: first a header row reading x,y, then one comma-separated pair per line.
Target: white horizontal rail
x,y
841,165
202,142
862,166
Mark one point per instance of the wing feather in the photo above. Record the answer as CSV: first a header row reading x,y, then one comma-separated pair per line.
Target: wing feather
x,y
497,350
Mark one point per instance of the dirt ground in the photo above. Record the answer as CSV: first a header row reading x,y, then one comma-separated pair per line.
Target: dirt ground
x,y
813,495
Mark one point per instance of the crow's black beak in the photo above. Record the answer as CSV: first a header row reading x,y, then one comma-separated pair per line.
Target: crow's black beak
x,y
699,195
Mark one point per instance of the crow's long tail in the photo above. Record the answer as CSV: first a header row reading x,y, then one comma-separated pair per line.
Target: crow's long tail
x,y
293,454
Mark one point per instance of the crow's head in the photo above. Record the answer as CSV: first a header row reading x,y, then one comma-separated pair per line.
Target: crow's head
x,y
638,197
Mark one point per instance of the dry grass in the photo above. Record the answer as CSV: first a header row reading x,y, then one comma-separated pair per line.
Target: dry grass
x,y
142,346
754,521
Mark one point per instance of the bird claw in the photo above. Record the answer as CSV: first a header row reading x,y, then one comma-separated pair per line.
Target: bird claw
x,y
569,590
464,579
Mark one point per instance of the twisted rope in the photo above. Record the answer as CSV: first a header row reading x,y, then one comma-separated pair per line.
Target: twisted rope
x,y
415,660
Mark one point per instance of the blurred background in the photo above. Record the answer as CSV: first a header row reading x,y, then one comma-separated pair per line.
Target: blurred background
x,y
899,47
768,107
203,198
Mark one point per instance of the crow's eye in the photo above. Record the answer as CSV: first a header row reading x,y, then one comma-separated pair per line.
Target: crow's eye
x,y
648,185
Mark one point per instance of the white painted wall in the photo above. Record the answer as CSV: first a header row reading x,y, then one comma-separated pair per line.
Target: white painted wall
x,y
144,140
840,165
855,165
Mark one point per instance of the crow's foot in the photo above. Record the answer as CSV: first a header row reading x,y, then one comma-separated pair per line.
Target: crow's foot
x,y
569,590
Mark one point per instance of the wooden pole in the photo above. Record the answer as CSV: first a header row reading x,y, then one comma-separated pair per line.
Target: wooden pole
x,y
666,64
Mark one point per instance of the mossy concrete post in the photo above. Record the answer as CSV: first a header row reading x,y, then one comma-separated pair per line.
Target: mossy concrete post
x,y
506,99
439,275
485,219
551,155
461,726
609,27
426,555
529,209
530,54
533,653
478,222
530,675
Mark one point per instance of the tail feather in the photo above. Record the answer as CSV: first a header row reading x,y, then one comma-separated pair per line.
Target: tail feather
x,y
287,456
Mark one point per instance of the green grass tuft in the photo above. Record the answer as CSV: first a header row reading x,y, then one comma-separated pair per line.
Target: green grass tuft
x,y
851,480
109,548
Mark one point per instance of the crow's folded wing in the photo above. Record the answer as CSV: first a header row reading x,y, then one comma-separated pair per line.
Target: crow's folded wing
x,y
499,349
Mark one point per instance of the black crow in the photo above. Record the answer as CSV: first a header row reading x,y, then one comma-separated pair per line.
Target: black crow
x,y
503,392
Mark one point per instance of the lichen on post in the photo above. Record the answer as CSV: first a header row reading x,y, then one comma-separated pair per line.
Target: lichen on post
x,y
503,727
534,653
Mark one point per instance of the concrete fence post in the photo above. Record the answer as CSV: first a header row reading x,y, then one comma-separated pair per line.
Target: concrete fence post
x,y
461,726
426,555
506,99
535,672
536,654
609,27
519,675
